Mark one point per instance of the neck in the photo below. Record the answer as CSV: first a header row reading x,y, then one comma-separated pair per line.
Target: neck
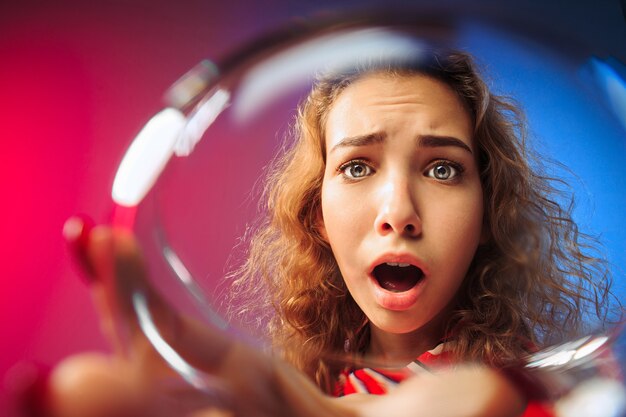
x,y
402,348
399,348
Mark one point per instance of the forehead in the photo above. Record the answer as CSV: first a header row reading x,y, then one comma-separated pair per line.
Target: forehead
x,y
365,102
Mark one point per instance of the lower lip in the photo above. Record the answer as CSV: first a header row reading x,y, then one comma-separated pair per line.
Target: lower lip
x,y
396,301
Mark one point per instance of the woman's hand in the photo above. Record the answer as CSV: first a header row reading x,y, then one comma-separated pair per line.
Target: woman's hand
x,y
136,381
464,391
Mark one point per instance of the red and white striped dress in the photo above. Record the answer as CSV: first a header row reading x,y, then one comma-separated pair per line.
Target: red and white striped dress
x,y
381,381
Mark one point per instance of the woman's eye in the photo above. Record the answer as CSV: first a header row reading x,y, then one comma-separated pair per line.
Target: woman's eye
x,y
443,171
355,169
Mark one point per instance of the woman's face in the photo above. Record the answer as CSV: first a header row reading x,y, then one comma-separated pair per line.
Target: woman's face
x,y
402,202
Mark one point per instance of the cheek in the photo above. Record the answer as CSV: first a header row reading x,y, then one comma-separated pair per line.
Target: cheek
x,y
459,226
466,223
331,217
346,227
344,216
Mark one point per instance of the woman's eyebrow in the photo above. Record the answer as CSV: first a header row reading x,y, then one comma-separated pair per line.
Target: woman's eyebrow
x,y
428,141
434,141
360,140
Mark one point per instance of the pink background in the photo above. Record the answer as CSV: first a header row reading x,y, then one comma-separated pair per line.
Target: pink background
x,y
77,81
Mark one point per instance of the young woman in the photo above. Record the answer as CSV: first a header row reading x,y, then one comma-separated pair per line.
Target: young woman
x,y
407,214
404,226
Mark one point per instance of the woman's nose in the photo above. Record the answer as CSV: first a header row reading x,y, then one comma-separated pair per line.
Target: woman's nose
x,y
397,212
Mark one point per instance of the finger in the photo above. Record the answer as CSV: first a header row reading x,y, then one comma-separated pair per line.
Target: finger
x,y
96,250
200,344
76,231
115,321
112,265
78,234
95,385
26,388
120,279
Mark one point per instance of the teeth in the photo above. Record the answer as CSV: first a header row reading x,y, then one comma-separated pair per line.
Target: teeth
x,y
401,265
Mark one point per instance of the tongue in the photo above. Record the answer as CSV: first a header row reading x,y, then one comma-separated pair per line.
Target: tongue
x,y
397,279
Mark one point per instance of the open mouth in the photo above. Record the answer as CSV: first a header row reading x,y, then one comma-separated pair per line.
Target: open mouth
x,y
397,277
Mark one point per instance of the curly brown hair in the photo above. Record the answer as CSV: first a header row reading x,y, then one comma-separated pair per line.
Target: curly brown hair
x,y
532,283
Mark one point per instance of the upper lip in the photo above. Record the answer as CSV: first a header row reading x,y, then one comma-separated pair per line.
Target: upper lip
x,y
405,258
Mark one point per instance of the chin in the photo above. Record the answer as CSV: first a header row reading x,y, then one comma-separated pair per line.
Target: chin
x,y
398,326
